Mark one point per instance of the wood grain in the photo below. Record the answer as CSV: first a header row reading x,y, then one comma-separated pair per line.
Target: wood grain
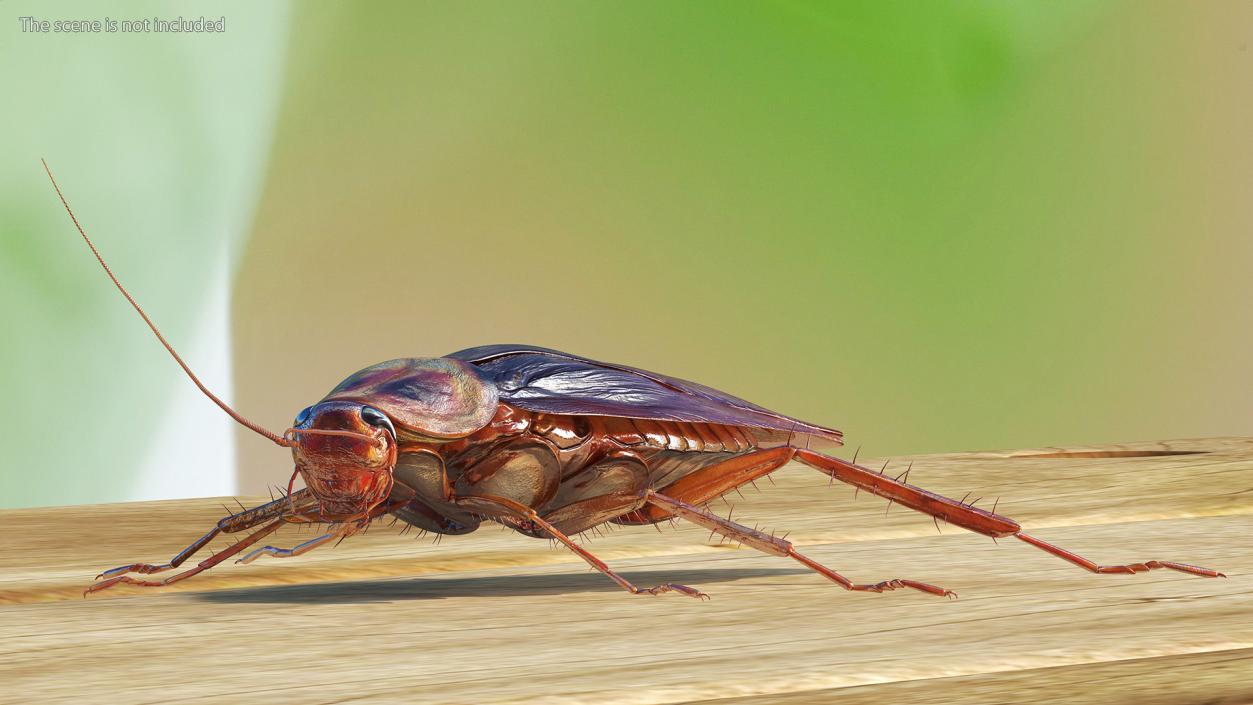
x,y
496,617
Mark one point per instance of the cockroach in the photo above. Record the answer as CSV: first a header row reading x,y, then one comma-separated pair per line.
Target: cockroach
x,y
548,444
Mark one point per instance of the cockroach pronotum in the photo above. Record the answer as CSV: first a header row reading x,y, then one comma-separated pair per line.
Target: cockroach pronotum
x,y
548,444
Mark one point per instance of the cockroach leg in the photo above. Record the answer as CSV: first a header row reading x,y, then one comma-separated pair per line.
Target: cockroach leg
x,y
967,516
200,567
299,502
481,502
176,561
1128,568
775,546
916,498
341,531
295,551
227,525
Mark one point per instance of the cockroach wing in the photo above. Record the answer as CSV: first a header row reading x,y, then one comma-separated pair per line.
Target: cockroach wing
x,y
550,381
426,398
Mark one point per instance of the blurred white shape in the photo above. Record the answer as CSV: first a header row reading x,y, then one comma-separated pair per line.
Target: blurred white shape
x,y
192,453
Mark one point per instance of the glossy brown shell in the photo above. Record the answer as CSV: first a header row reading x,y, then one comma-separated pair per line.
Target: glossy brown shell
x,y
577,440
426,398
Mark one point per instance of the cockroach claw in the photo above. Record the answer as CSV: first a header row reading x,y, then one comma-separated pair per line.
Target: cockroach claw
x,y
673,587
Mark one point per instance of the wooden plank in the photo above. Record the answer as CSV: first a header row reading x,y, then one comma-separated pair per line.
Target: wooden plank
x,y
1166,680
496,617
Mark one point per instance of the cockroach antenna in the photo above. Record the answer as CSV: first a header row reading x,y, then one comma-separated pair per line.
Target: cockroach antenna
x,y
280,440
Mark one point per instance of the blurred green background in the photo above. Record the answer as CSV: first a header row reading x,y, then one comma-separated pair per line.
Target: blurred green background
x,y
936,226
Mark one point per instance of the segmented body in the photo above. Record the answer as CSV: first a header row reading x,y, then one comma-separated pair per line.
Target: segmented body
x,y
576,471
579,442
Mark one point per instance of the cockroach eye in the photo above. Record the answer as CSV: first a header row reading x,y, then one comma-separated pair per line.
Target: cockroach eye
x,y
374,417
303,417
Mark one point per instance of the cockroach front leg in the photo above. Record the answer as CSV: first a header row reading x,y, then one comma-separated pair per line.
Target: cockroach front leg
x,y
778,547
301,501
967,516
297,550
200,567
341,531
493,505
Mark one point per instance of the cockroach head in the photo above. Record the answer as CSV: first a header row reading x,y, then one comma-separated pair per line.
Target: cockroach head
x,y
346,445
346,452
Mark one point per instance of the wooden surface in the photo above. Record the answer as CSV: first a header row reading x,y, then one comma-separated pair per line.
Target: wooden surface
x,y
494,617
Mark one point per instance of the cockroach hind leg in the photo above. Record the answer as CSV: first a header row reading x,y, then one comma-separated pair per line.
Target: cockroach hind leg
x,y
967,517
915,498
1086,564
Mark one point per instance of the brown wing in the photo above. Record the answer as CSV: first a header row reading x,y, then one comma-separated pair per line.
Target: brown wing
x,y
550,381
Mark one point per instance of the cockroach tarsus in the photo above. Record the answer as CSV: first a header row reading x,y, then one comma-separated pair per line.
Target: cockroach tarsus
x,y
550,445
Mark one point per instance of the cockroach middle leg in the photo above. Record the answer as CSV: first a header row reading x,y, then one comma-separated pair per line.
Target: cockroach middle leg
x,y
966,516
242,521
200,567
776,546
520,511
